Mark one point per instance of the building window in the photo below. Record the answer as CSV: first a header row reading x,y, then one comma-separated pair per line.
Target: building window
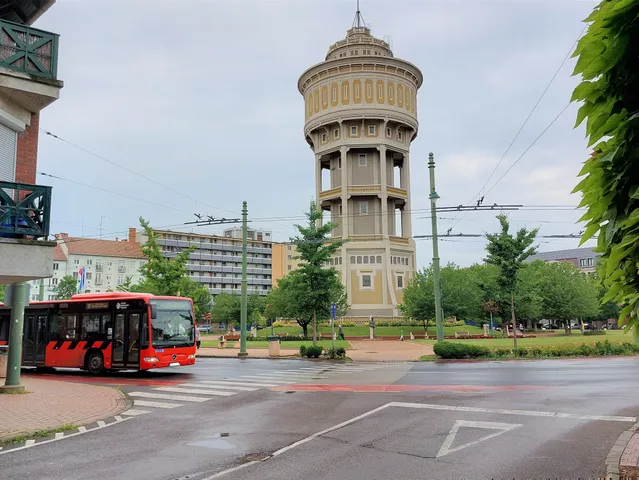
x,y
290,257
120,279
288,247
399,135
582,262
56,266
371,129
76,262
53,281
75,275
365,258
400,281
379,259
109,264
324,138
389,132
89,262
359,259
339,162
372,259
590,262
353,131
362,159
367,281
352,259
363,208
89,275
336,133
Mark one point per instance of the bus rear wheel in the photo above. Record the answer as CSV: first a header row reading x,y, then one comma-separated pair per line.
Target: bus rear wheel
x,y
95,363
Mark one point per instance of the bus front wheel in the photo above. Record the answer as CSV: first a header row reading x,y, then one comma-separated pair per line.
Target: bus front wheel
x,y
95,363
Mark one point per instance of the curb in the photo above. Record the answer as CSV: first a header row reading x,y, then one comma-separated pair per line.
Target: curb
x,y
614,456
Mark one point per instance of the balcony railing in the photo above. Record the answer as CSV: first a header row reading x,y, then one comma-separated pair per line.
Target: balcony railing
x,y
121,269
25,210
28,50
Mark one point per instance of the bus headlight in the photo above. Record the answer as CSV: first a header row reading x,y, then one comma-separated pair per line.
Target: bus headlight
x,y
192,356
151,359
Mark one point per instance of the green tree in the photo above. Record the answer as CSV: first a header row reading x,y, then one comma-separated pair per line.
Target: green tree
x,y
609,66
315,249
508,253
67,287
528,300
1,293
126,285
226,308
419,298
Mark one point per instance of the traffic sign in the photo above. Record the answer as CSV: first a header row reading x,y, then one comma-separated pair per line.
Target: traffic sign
x,y
333,311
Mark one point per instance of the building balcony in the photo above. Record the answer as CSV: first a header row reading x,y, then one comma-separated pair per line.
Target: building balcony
x,y
364,190
28,67
330,194
400,240
25,253
397,192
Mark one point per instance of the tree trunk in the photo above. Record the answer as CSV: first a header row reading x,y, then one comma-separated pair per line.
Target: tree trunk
x,y
314,327
514,320
305,330
566,326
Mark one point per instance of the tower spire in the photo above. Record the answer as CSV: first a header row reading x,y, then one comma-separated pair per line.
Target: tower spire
x,y
358,21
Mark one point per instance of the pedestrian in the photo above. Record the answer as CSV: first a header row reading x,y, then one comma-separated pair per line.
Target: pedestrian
x,y
340,335
197,337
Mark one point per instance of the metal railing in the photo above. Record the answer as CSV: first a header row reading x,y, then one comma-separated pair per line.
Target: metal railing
x,y
25,210
28,50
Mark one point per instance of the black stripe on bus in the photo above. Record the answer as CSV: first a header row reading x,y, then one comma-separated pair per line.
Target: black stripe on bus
x,y
104,345
87,345
73,344
58,344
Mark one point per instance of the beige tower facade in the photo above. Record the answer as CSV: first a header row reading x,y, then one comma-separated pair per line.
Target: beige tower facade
x,y
361,117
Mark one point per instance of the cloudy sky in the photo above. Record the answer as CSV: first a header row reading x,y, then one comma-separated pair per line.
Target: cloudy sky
x,y
200,98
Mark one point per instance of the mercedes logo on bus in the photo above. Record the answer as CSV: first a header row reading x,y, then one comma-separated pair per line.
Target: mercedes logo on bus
x,y
174,357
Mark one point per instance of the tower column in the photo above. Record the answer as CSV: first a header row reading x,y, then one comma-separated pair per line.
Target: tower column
x,y
384,191
344,218
407,223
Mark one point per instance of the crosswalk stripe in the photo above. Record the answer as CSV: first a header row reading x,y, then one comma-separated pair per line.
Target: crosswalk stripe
x,y
195,391
145,403
270,379
219,387
167,396
285,375
246,384
134,412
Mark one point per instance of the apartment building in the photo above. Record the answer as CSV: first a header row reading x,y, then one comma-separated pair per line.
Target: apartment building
x,y
107,264
284,260
216,261
583,258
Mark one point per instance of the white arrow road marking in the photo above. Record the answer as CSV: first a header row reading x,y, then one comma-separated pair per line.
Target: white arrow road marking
x,y
220,387
246,384
145,403
501,427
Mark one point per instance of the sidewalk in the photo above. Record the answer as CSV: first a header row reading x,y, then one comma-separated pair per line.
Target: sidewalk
x,y
361,351
53,403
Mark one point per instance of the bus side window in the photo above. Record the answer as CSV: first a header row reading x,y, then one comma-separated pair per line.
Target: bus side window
x,y
54,328
71,324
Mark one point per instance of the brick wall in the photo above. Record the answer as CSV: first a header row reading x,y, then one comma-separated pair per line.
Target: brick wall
x,y
27,152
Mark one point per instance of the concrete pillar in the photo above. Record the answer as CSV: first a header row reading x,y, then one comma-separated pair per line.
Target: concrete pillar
x,y
18,301
406,220
384,191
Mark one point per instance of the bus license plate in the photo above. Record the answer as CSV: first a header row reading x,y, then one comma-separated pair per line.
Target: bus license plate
x,y
174,364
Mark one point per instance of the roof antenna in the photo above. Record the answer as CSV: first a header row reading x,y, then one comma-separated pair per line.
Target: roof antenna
x,y
358,21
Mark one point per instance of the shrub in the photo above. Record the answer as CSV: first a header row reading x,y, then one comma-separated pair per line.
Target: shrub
x,y
594,332
312,351
459,350
454,323
303,351
336,352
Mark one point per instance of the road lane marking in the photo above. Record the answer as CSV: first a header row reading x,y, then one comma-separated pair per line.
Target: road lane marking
x,y
247,384
134,412
502,428
195,391
231,470
269,379
525,413
220,387
168,396
59,435
146,403
28,444
286,374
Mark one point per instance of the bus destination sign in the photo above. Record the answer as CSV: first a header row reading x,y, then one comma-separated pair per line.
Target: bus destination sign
x,y
97,305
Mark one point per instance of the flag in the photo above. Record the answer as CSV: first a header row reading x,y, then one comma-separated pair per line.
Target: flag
x,y
82,275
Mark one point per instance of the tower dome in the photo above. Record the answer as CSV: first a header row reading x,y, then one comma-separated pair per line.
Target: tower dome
x,y
360,119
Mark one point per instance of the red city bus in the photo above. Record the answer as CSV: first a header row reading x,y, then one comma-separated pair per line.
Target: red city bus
x,y
107,331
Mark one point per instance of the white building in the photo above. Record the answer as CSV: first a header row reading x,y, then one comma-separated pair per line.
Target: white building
x,y
251,234
108,263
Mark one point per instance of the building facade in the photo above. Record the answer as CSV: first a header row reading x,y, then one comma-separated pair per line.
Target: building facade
x,y
284,261
251,234
28,84
216,262
360,120
583,258
108,264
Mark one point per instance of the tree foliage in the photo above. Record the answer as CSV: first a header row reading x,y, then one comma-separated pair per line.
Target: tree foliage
x,y
608,61
508,253
67,287
227,309
315,278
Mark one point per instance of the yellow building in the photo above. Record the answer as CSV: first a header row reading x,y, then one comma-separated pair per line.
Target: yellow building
x,y
360,120
284,261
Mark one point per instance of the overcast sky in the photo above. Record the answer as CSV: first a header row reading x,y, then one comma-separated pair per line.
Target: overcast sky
x,y
201,96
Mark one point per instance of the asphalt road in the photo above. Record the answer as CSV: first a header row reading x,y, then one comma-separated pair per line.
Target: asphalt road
x,y
527,419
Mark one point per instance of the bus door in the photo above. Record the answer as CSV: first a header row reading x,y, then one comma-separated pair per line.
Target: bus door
x,y
34,339
126,340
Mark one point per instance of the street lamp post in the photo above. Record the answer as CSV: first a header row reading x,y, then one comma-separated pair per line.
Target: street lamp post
x,y
243,307
439,316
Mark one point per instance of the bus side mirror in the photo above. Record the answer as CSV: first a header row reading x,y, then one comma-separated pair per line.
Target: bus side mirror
x,y
154,311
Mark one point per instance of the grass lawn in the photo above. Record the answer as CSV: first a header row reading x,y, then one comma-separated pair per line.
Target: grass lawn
x,y
547,339
290,345
362,330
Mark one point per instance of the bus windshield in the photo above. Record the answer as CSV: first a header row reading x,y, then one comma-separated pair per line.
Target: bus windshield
x,y
173,326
